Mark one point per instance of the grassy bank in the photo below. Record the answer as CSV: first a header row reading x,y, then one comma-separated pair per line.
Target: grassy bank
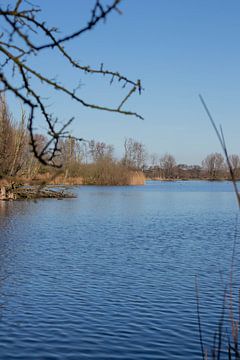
x,y
15,188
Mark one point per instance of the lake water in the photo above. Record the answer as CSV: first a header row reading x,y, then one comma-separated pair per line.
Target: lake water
x,y
111,274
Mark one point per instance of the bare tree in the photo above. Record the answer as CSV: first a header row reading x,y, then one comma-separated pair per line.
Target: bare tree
x,y
134,154
168,164
154,170
185,171
154,160
6,138
20,146
22,30
13,141
213,164
235,162
99,150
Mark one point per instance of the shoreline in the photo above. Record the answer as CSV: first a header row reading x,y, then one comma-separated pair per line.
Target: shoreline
x,y
36,189
13,192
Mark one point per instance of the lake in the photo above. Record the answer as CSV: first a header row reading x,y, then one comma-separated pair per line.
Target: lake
x,y
111,274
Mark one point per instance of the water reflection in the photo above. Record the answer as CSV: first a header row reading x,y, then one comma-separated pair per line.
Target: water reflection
x,y
14,223
3,208
14,208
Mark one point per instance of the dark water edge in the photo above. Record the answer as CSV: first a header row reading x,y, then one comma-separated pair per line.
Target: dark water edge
x,y
111,274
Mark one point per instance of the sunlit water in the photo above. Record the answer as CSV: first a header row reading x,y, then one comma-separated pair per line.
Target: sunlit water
x,y
111,274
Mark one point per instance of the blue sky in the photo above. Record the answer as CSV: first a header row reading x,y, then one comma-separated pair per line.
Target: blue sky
x,y
178,48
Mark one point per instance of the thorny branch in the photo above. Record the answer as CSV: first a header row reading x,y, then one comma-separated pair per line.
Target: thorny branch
x,y
21,28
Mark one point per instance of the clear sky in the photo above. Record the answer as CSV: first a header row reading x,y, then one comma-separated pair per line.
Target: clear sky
x,y
178,48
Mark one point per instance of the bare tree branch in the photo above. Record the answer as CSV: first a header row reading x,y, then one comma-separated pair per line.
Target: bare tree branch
x,y
21,29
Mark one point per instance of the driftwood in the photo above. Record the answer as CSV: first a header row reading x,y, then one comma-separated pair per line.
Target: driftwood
x,y
21,192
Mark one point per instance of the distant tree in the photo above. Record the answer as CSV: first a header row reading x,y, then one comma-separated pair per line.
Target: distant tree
x,y
182,171
154,159
33,166
235,162
185,171
195,171
99,150
213,164
135,154
168,164
6,138
24,36
13,142
154,170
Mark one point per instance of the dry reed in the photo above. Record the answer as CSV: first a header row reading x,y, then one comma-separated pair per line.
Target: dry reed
x,y
231,341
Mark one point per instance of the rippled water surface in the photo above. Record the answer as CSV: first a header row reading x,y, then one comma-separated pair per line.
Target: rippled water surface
x,y
111,274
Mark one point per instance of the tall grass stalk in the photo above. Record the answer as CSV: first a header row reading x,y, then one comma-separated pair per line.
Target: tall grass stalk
x,y
232,343
221,138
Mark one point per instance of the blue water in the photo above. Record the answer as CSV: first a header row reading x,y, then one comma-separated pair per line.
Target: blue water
x,y
111,274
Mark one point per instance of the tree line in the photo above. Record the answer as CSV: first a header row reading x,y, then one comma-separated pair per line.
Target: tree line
x,y
91,162
94,161
213,167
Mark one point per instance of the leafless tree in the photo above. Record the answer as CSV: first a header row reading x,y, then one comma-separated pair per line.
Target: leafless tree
x,y
22,30
6,140
153,160
168,164
13,141
213,164
134,154
235,162
20,146
153,170
184,171
99,150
